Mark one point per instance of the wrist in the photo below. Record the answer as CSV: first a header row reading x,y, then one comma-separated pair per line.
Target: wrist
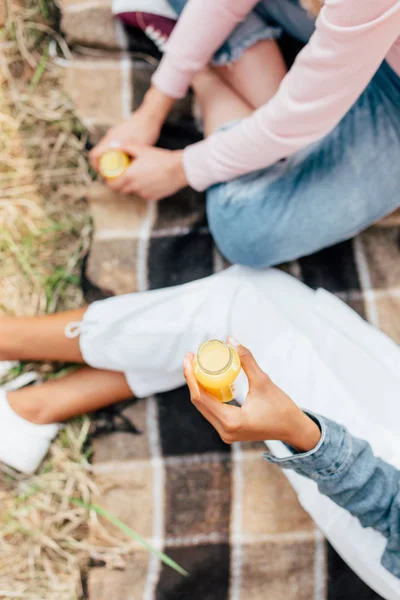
x,y
179,170
304,434
156,105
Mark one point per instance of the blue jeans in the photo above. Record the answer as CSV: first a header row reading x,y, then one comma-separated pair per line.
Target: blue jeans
x,y
327,192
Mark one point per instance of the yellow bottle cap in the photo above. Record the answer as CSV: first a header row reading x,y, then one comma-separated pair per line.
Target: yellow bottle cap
x,y
113,163
214,356
216,367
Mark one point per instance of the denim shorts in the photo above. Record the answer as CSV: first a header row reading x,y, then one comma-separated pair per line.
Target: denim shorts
x,y
324,194
267,21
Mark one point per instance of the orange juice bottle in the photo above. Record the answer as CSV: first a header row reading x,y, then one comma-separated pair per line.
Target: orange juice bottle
x,y
216,366
113,163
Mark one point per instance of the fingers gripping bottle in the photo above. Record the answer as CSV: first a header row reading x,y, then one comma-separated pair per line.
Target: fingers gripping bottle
x,y
113,163
216,367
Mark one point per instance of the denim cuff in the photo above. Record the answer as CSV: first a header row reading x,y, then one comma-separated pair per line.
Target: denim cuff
x,y
329,457
246,34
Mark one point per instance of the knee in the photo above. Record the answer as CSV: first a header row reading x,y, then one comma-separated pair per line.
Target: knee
x,y
247,254
242,253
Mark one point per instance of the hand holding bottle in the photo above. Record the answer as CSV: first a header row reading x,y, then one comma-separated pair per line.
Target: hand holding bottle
x,y
267,414
142,127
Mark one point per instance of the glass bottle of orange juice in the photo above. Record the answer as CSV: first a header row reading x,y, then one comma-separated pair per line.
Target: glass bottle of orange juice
x,y
216,367
113,163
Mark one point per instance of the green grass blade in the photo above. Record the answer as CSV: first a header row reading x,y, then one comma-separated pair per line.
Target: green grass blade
x,y
39,72
130,533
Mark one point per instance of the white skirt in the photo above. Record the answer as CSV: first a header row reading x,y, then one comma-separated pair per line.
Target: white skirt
x,y
328,359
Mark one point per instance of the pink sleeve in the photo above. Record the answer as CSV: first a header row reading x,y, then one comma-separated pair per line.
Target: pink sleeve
x,y
200,31
351,40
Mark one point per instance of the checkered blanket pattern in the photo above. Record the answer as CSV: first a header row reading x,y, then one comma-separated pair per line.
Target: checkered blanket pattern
x,y
232,521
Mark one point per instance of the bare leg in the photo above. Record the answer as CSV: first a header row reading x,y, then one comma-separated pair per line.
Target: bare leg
x,y
219,103
43,338
234,91
80,392
257,75
40,338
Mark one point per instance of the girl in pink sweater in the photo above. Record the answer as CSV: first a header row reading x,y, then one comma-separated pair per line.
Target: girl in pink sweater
x,y
292,161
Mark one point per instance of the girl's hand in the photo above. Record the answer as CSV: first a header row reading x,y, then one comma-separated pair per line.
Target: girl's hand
x,y
267,414
154,173
139,128
142,127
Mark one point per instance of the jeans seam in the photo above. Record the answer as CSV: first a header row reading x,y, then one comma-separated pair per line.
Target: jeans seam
x,y
333,472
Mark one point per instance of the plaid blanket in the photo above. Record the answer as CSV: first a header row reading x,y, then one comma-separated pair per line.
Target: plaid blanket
x,y
232,521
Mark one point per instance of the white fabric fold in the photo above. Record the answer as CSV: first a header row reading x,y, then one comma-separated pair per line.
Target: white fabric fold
x,y
315,347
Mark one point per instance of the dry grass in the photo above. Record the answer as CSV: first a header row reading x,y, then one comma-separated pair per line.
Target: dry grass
x,y
44,233
44,225
44,540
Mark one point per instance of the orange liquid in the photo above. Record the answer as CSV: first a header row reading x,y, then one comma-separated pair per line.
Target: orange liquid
x,y
216,367
113,163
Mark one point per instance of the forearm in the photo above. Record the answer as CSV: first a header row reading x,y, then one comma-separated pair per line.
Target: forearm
x,y
346,470
156,105
201,29
142,127
301,433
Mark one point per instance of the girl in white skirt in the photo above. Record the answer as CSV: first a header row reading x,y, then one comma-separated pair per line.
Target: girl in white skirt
x,y
319,355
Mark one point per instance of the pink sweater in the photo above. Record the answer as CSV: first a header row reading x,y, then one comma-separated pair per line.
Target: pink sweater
x,y
351,40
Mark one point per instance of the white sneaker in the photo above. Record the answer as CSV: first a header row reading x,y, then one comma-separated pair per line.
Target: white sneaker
x,y
161,8
5,366
23,445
